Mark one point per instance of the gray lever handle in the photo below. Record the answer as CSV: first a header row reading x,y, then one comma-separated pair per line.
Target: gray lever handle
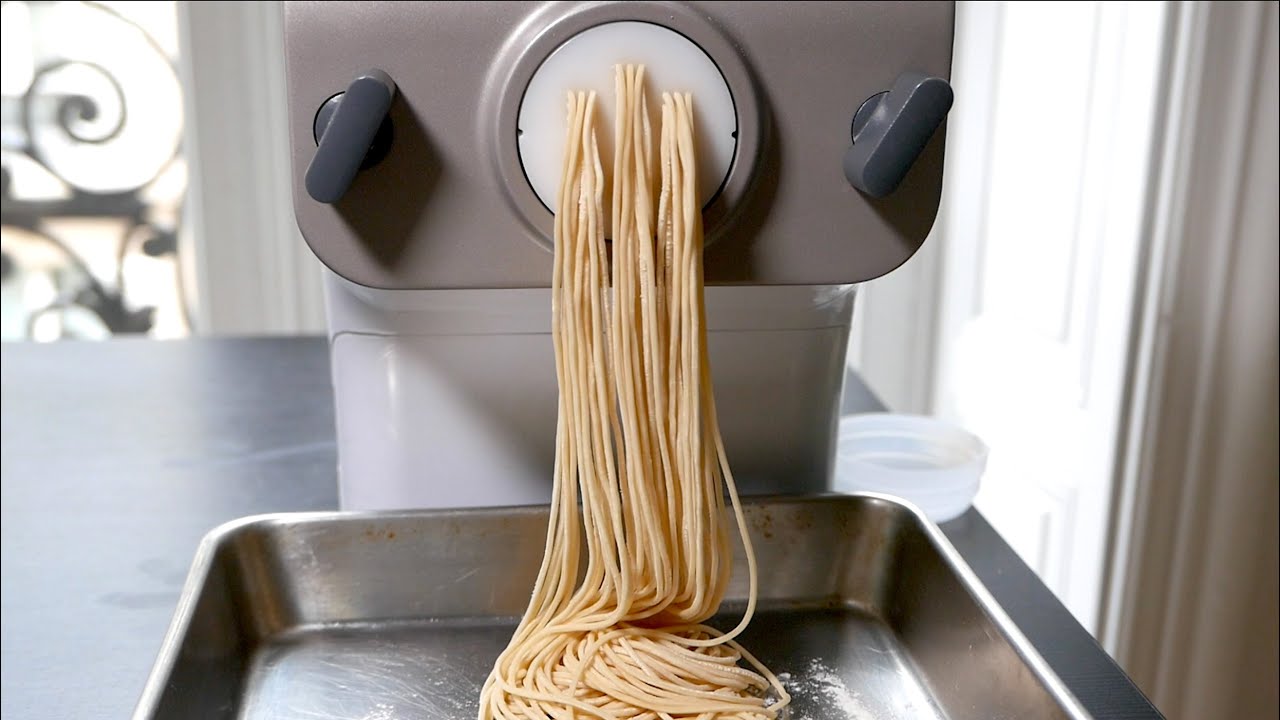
x,y
346,138
891,129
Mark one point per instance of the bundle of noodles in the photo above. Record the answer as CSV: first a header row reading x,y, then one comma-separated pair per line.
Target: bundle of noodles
x,y
640,470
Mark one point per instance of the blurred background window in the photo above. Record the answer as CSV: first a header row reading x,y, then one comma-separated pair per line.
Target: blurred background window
x,y
93,171
1098,299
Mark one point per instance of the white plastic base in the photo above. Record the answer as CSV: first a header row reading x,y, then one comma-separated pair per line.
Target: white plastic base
x,y
447,398
673,63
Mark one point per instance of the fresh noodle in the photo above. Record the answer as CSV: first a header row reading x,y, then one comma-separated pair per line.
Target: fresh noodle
x,y
637,554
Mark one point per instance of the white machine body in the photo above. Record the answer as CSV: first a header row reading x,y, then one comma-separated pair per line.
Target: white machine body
x,y
447,398
424,188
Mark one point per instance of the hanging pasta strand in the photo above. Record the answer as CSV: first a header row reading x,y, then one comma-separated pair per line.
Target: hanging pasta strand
x,y
638,555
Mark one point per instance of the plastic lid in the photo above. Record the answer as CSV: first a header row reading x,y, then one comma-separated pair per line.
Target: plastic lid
x,y
929,463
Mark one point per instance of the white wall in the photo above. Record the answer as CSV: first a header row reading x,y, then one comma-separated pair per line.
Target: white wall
x,y
1195,595
248,269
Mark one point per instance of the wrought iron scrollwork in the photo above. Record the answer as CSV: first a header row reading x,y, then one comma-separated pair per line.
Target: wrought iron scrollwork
x,y
100,122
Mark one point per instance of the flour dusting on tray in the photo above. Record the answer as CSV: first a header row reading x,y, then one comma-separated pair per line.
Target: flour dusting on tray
x,y
825,692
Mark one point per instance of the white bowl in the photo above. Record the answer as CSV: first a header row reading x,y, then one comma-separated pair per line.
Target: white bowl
x,y
929,463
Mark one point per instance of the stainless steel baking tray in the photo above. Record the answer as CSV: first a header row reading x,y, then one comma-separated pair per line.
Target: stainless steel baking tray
x,y
867,612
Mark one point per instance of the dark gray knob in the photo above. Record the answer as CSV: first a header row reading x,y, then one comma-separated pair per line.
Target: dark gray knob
x,y
891,129
354,120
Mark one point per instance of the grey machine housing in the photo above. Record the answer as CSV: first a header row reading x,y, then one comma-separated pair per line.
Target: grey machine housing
x,y
445,204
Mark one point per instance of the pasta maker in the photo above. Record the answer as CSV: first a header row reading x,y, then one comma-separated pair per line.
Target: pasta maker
x,y
426,142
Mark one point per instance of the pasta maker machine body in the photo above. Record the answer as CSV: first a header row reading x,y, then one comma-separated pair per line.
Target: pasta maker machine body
x,y
425,141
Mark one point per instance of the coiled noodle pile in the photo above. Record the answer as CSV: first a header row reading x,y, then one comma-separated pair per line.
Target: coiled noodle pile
x,y
638,552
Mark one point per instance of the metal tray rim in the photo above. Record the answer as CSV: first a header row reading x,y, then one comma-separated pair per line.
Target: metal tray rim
x,y
207,549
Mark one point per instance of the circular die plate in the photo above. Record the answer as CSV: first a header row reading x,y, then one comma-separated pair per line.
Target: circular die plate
x,y
586,62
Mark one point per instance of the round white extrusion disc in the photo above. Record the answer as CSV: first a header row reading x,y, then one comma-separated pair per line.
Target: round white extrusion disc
x,y
586,62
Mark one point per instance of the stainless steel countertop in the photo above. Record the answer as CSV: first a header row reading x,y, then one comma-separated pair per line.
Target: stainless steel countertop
x,y
117,457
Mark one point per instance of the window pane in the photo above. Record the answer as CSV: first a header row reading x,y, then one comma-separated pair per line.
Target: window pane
x,y
93,173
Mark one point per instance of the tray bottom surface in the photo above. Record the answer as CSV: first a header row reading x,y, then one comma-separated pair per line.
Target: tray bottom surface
x,y
837,663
